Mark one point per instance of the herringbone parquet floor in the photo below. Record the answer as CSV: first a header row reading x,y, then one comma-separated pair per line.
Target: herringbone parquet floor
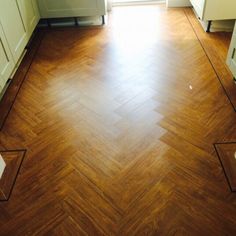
x,y
119,124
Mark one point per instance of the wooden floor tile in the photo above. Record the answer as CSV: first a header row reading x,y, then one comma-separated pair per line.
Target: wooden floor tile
x,y
227,156
13,160
119,123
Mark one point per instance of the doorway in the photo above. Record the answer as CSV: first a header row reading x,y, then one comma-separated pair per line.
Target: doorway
x,y
120,2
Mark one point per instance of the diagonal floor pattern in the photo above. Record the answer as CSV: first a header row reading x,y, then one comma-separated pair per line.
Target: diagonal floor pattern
x,y
119,124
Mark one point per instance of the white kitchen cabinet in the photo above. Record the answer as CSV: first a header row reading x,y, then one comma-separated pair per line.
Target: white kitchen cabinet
x,y
30,15
6,61
215,14
231,59
18,19
65,8
215,9
13,27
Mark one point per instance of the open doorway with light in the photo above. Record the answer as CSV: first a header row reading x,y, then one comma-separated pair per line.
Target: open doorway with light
x,y
111,3
120,2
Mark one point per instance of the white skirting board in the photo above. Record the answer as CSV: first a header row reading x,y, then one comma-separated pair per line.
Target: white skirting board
x,y
70,21
2,166
178,3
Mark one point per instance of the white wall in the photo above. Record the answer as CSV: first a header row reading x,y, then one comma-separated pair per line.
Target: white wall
x,y
2,166
178,3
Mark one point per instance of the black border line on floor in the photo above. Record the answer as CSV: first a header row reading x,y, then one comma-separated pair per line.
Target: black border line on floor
x,y
24,77
218,155
213,67
225,92
17,173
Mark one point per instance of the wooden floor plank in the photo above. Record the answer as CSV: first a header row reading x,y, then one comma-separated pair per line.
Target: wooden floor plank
x,y
13,160
227,155
119,124
10,95
216,46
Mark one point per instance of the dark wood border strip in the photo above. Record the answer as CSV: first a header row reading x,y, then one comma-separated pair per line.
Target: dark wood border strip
x,y
12,91
226,88
17,173
225,92
215,144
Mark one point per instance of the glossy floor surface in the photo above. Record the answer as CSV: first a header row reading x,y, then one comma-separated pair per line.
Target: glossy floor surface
x,y
119,124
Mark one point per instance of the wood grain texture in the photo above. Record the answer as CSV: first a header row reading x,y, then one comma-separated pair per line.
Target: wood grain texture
x,y
216,46
10,95
227,155
13,160
119,124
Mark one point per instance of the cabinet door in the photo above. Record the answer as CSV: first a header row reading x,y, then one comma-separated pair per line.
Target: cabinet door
x,y
220,10
30,15
65,8
13,27
232,56
6,61
199,7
